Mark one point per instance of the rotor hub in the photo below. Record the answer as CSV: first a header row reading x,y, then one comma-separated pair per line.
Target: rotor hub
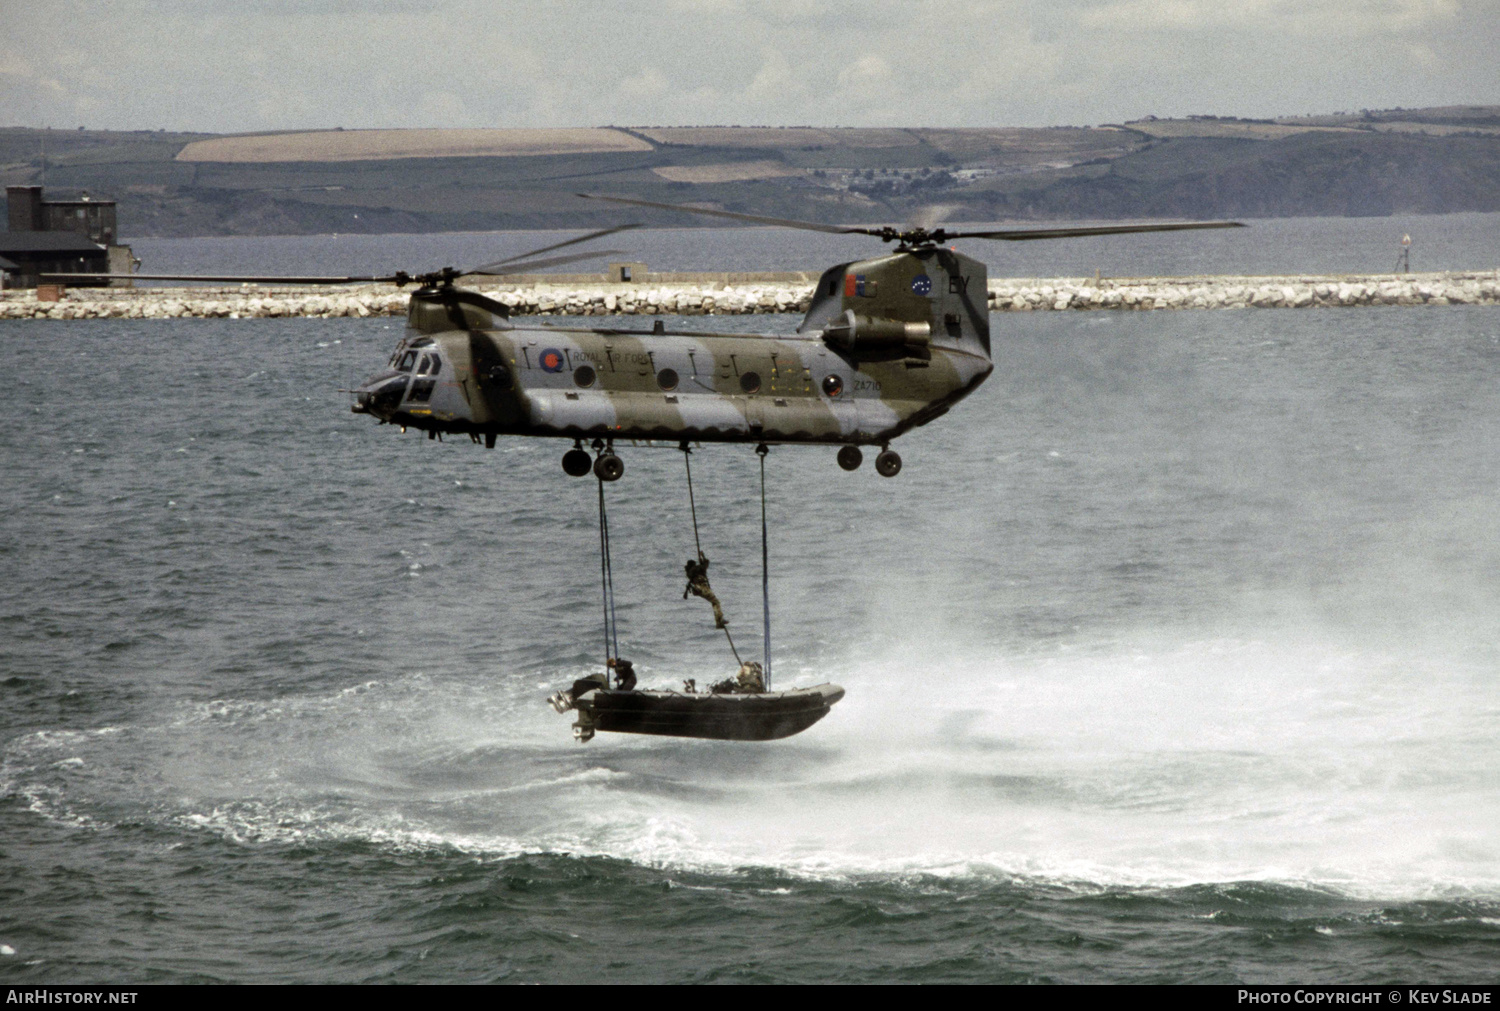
x,y
912,237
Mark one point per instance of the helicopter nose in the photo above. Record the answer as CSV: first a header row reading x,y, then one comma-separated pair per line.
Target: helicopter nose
x,y
381,396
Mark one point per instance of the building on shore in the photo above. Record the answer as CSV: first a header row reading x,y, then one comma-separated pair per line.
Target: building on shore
x,y
60,237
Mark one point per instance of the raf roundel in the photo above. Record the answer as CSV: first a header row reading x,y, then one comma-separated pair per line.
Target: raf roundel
x,y
921,285
551,360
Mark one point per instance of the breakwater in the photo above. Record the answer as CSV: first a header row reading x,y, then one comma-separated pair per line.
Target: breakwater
x,y
710,295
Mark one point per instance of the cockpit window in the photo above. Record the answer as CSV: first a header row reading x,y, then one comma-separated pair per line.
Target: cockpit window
x,y
426,364
437,365
407,361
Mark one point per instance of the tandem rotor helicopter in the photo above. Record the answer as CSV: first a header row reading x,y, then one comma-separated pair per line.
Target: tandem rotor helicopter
x,y
888,344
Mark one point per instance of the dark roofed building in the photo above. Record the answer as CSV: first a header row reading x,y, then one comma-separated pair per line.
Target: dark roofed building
x,y
59,237
30,213
25,255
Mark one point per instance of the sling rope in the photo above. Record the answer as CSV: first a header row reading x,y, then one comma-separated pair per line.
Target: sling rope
x,y
765,566
607,577
687,462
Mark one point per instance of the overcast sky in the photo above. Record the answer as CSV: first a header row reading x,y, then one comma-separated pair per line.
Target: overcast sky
x,y
256,65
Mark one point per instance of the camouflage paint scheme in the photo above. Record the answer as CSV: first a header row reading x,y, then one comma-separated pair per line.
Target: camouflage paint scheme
x,y
887,344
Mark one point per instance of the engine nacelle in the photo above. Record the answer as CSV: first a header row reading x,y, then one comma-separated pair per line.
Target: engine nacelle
x,y
854,333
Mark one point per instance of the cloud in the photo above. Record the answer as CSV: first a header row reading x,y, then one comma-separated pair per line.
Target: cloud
x,y
222,65
866,72
649,83
1267,15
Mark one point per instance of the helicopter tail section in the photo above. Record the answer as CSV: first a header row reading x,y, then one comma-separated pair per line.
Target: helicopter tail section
x,y
902,303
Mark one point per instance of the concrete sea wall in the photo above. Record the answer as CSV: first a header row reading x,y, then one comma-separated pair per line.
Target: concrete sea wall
x,y
713,297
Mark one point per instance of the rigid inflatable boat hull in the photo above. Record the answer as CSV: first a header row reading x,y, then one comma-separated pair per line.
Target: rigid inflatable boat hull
x,y
761,716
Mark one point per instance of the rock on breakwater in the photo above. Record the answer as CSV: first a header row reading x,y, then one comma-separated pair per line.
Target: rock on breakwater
x,y
689,299
1229,292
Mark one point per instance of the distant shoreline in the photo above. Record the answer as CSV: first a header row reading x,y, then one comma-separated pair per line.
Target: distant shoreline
x,y
1366,164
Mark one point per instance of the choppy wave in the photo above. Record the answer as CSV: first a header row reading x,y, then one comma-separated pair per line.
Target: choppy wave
x,y
1185,621
1205,763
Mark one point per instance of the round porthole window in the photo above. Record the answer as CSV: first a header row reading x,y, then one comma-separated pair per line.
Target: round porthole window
x,y
584,375
667,379
750,382
833,385
500,377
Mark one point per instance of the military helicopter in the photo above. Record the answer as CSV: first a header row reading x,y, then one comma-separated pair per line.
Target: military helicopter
x,y
888,344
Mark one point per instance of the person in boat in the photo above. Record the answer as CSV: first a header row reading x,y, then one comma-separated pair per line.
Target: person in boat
x,y
697,585
749,681
624,674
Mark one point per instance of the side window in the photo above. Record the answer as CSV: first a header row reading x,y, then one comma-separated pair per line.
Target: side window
x,y
437,365
407,361
426,364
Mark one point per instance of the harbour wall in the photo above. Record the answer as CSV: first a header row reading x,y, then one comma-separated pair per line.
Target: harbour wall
x,y
728,294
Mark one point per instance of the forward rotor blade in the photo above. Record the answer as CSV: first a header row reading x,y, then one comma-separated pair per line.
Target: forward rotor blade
x,y
506,267
1025,234
488,268
231,278
810,226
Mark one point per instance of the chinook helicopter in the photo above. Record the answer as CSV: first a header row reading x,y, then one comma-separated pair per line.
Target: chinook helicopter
x,y
888,344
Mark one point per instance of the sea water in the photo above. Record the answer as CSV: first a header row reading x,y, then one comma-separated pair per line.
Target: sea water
x,y
1170,656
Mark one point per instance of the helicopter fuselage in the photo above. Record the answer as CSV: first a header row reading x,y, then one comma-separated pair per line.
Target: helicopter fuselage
x,y
863,369
579,383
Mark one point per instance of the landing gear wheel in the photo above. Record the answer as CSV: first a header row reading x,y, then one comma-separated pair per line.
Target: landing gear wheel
x,y
609,467
850,458
888,463
576,463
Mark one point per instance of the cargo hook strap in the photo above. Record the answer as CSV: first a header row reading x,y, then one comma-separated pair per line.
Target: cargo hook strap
x,y
687,461
607,577
765,564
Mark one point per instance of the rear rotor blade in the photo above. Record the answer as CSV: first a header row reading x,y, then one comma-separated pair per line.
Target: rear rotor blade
x,y
1025,234
810,226
233,278
506,267
489,268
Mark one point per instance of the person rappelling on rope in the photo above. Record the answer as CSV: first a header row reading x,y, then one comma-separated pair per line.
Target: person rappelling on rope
x,y
697,585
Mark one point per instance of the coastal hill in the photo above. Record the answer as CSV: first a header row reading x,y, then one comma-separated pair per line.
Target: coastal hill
x,y
1429,161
